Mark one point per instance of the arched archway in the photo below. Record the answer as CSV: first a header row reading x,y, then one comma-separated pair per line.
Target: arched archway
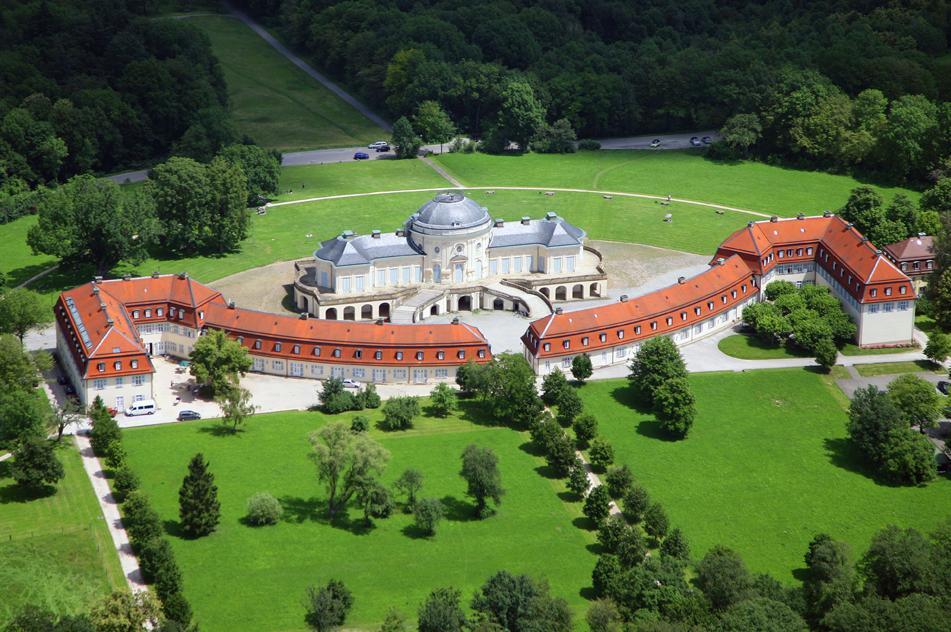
x,y
577,291
546,292
465,303
498,304
434,310
561,293
349,313
594,290
366,312
331,313
384,311
302,302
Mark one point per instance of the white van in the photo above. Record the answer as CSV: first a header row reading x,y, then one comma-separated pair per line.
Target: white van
x,y
141,407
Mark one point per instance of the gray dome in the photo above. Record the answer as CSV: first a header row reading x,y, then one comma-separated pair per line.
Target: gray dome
x,y
450,211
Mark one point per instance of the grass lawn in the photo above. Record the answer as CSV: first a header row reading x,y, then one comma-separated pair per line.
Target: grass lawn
x,y
752,348
17,261
307,181
889,368
685,174
926,323
229,575
855,350
56,550
766,467
273,101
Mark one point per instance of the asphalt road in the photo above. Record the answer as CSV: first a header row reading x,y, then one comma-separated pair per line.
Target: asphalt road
x,y
667,141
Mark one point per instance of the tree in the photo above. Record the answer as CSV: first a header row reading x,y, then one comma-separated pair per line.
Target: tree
x,y
334,398
261,167
899,562
229,206
607,575
761,614
394,622
236,406
722,577
585,427
578,479
559,451
405,139
21,414
938,348
603,616
655,521
88,220
198,505
263,509
105,430
399,412
674,407
581,368
443,399
558,138
520,114
124,483
510,389
619,480
327,606
916,399
826,353
65,416
741,132
441,612
675,545
428,512
939,290
830,579
409,483
480,469
35,466
217,361
635,503
471,378
371,399
21,311
140,519
159,566
345,462
374,499
612,532
125,611
505,599
865,209
569,406
601,454
657,361
18,370
433,124
597,505
553,385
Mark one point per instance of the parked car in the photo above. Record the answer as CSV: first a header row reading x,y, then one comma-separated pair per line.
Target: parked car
x,y
382,148
706,140
141,407
377,144
361,155
188,415
112,410
694,141
348,383
655,143
944,386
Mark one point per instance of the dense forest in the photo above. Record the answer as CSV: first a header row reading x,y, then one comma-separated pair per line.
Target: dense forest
x,y
94,85
836,84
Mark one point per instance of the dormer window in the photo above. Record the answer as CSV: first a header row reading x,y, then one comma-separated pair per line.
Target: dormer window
x,y
683,315
148,313
419,355
358,354
134,364
637,330
337,353
902,290
547,346
316,352
278,347
697,310
620,334
135,313
874,292
240,340
584,341
461,354
723,299
888,291
670,321
295,349
566,344
743,288
160,312
654,325
117,365
101,367
481,353
440,355
603,337
399,355
257,343
377,355
733,294
710,305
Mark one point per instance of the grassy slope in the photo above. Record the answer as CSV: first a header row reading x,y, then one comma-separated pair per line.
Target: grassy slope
x,y
309,181
273,101
766,467
54,551
387,566
686,174
17,261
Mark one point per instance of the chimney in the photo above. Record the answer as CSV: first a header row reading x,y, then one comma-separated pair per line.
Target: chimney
x,y
749,224
878,252
922,234
102,306
720,261
97,279
551,216
155,274
499,223
864,239
455,321
774,218
375,234
525,220
559,311
827,213
183,275
231,304
681,280
126,276
801,216
379,321
400,232
95,289
849,225
347,234
109,320
623,298
303,316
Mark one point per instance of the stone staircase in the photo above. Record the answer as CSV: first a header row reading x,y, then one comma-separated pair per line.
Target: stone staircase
x,y
403,315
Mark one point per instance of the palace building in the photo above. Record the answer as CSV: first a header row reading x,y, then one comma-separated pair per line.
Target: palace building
x,y
824,250
449,256
915,257
108,331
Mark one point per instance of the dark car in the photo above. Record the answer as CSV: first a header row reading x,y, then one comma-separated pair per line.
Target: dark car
x,y
706,140
188,415
695,141
944,386
361,155
382,148
655,143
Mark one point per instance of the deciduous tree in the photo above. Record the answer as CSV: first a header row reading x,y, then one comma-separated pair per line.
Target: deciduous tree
x,y
916,399
657,361
581,368
409,483
217,361
723,577
236,406
405,139
443,399
597,505
399,412
442,612
345,461
480,469
22,311
428,512
327,606
35,466
552,386
585,427
674,407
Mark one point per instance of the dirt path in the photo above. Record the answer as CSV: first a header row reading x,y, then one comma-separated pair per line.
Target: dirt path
x,y
268,288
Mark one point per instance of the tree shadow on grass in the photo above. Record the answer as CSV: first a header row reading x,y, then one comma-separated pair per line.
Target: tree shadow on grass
x,y
629,396
651,429
588,593
299,510
843,453
174,529
458,510
220,430
547,471
477,412
583,522
530,447
568,497
801,574
15,493
415,533
595,549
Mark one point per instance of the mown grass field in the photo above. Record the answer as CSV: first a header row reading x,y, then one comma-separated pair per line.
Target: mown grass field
x,y
17,260
765,467
229,575
893,368
273,101
55,551
308,181
684,174
748,347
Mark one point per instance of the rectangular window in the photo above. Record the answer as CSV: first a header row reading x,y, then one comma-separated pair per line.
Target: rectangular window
x,y
118,382
345,284
407,271
570,263
138,380
361,281
418,273
518,264
493,267
394,276
528,263
442,372
277,365
889,307
902,305
99,384
506,265
324,279
380,278
359,372
873,308
556,265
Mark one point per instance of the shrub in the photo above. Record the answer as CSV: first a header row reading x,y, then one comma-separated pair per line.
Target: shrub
x,y
159,567
35,466
588,144
359,424
105,432
675,545
398,413
443,399
125,482
552,386
569,406
176,608
581,368
263,509
619,480
327,606
371,399
427,513
140,520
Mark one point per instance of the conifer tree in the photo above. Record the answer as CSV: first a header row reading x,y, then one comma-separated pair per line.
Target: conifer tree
x,y
198,505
